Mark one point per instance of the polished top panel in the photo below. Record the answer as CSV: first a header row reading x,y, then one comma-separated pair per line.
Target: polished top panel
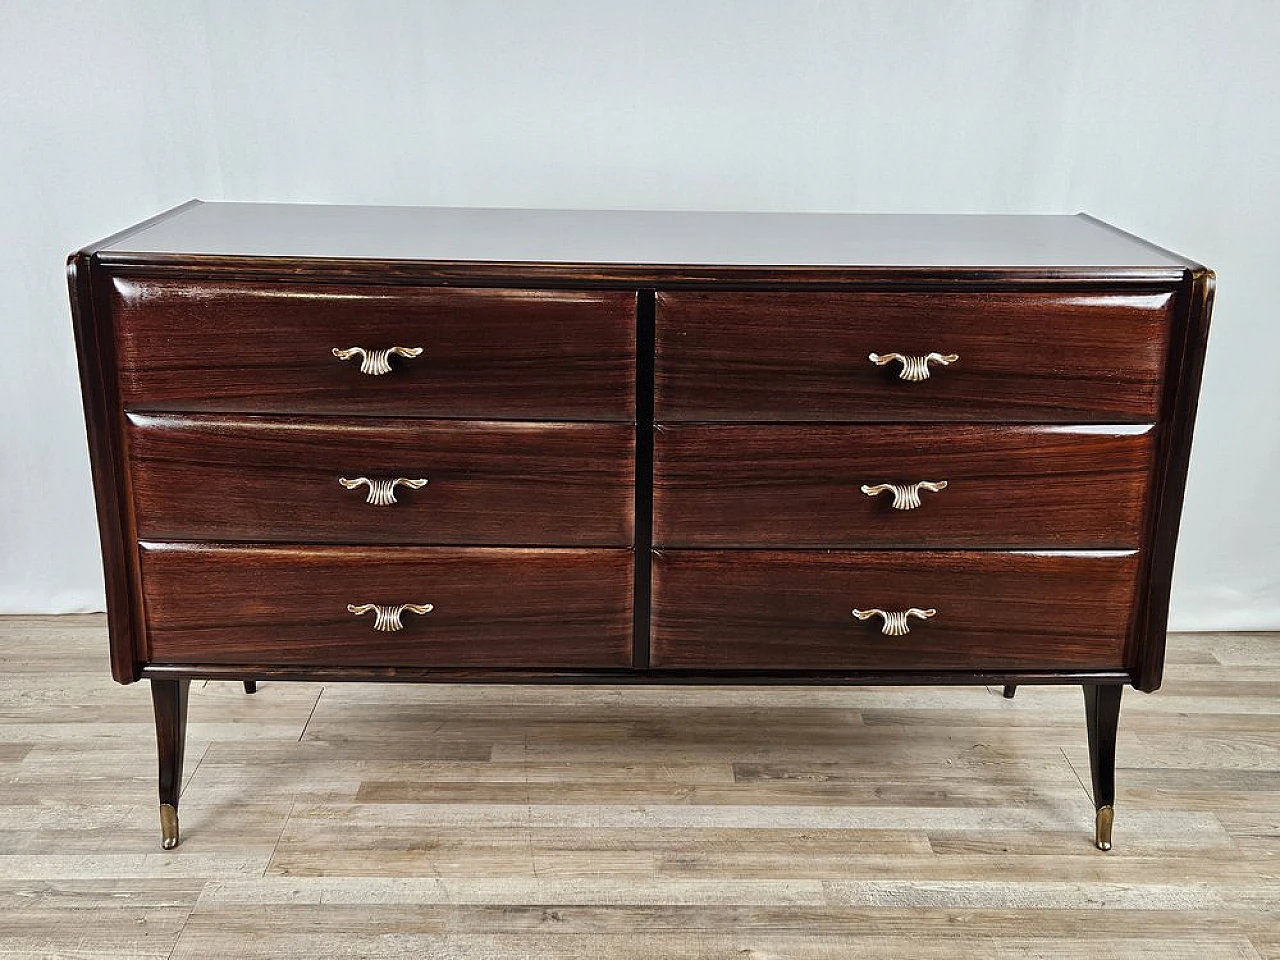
x,y
658,238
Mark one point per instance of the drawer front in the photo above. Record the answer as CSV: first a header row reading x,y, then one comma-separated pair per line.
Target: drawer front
x,y
802,486
269,479
1023,357
288,605
243,347
777,610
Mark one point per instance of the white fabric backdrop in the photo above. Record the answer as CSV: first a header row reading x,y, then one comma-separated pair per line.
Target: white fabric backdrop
x,y
1159,116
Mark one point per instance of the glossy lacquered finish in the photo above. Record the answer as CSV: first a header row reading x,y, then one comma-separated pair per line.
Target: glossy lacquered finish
x,y
792,610
381,444
740,485
276,479
1026,357
256,347
288,605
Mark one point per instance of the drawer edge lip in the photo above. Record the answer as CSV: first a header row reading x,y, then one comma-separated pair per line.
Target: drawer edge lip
x,y
604,274
136,413
662,547
143,417
792,552
633,676
219,546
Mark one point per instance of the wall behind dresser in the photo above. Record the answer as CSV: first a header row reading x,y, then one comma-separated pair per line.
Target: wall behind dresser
x,y
1160,116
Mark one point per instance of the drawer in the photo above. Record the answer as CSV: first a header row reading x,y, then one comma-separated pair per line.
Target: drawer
x,y
288,605
1026,357
275,479
739,485
778,610
243,347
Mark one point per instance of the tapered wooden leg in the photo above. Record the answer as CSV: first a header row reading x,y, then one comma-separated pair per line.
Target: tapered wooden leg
x,y
1009,690
169,698
251,686
1102,714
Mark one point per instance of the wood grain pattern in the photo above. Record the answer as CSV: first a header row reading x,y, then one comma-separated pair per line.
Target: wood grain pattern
x,y
275,479
1182,396
245,347
1029,357
287,605
99,391
800,486
395,821
169,699
790,610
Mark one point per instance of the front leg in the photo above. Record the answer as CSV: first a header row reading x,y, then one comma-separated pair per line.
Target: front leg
x,y
1102,714
169,698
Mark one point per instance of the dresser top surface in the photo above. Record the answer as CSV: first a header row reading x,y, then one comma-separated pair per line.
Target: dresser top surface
x,y
636,237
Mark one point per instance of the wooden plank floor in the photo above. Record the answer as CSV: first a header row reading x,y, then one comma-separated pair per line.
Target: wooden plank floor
x,y
405,821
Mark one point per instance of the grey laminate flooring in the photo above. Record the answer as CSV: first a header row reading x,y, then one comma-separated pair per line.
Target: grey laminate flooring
x,y
528,822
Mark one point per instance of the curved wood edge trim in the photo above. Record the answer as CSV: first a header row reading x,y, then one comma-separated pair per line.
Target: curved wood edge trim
x,y
1187,262
1178,412
95,350
494,273
722,678
137,228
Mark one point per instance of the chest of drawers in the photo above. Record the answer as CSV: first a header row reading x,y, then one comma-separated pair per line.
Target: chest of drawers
x,y
361,443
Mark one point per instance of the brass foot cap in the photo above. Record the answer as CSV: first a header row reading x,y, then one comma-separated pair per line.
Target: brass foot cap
x,y
168,826
1102,827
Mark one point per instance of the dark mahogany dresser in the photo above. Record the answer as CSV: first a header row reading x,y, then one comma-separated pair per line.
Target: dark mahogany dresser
x,y
383,443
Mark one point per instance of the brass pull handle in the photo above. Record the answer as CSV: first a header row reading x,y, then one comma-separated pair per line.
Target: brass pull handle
x,y
914,369
906,496
387,619
895,621
376,362
382,493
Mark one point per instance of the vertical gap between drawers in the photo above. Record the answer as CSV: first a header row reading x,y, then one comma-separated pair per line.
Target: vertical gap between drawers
x,y
646,307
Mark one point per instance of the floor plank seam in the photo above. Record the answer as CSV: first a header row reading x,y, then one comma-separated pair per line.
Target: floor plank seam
x,y
682,827
182,928
1084,785
306,723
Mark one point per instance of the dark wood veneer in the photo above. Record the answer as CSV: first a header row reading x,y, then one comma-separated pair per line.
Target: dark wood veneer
x,y
791,610
99,392
288,605
245,347
1029,357
1169,480
799,485
275,479
212,399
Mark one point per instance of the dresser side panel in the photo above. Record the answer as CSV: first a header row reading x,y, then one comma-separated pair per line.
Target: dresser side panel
x,y
1181,398
99,388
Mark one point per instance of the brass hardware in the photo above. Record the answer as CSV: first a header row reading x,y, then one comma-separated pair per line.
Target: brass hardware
x,y
1102,827
895,621
377,362
914,369
168,826
382,493
387,619
905,496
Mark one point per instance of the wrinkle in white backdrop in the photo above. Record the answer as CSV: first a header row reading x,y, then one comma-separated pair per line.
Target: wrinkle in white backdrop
x,y
1158,116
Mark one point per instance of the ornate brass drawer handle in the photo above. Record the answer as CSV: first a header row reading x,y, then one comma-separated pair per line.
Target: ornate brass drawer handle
x,y
382,493
387,619
377,362
906,496
914,368
895,621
